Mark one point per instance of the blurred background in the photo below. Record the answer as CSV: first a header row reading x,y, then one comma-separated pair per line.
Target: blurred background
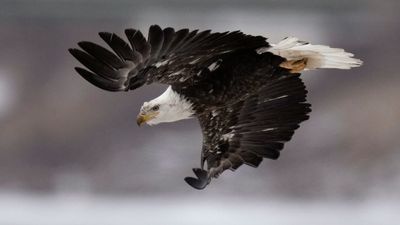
x,y
72,154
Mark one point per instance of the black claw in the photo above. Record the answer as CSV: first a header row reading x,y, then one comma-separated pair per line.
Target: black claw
x,y
201,181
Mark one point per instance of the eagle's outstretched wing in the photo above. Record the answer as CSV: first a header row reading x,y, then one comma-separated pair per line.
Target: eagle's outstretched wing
x,y
251,130
167,56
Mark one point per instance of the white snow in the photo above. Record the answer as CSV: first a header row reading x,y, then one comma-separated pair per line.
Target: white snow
x,y
206,208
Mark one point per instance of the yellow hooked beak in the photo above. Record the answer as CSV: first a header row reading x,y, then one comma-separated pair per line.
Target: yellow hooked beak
x,y
143,118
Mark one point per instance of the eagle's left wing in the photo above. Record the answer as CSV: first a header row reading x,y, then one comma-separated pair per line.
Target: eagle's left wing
x,y
251,130
167,56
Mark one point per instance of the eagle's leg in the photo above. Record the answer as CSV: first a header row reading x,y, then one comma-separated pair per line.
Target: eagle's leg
x,y
295,66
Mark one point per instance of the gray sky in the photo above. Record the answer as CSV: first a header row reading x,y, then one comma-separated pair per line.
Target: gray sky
x,y
61,134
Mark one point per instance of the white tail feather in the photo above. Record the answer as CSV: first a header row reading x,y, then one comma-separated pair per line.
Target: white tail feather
x,y
318,56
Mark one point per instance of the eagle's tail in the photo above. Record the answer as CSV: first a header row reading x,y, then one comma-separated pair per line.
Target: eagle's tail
x,y
299,53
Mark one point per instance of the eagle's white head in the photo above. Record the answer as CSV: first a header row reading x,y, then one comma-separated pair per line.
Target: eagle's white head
x,y
170,106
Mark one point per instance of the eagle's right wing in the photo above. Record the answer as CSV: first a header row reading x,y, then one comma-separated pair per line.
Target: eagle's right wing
x,y
167,56
251,130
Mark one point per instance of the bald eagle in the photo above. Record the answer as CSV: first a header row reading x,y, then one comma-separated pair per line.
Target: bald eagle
x,y
246,94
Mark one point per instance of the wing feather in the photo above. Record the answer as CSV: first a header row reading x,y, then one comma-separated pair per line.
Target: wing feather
x,y
167,56
98,81
156,40
253,129
168,38
178,39
102,54
138,42
103,70
118,45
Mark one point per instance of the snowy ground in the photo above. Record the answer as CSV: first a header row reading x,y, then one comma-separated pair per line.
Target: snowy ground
x,y
17,209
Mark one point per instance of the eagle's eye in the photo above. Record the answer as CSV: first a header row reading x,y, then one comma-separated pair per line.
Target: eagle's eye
x,y
155,108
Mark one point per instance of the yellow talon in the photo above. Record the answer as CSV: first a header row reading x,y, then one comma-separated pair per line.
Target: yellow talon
x,y
295,66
